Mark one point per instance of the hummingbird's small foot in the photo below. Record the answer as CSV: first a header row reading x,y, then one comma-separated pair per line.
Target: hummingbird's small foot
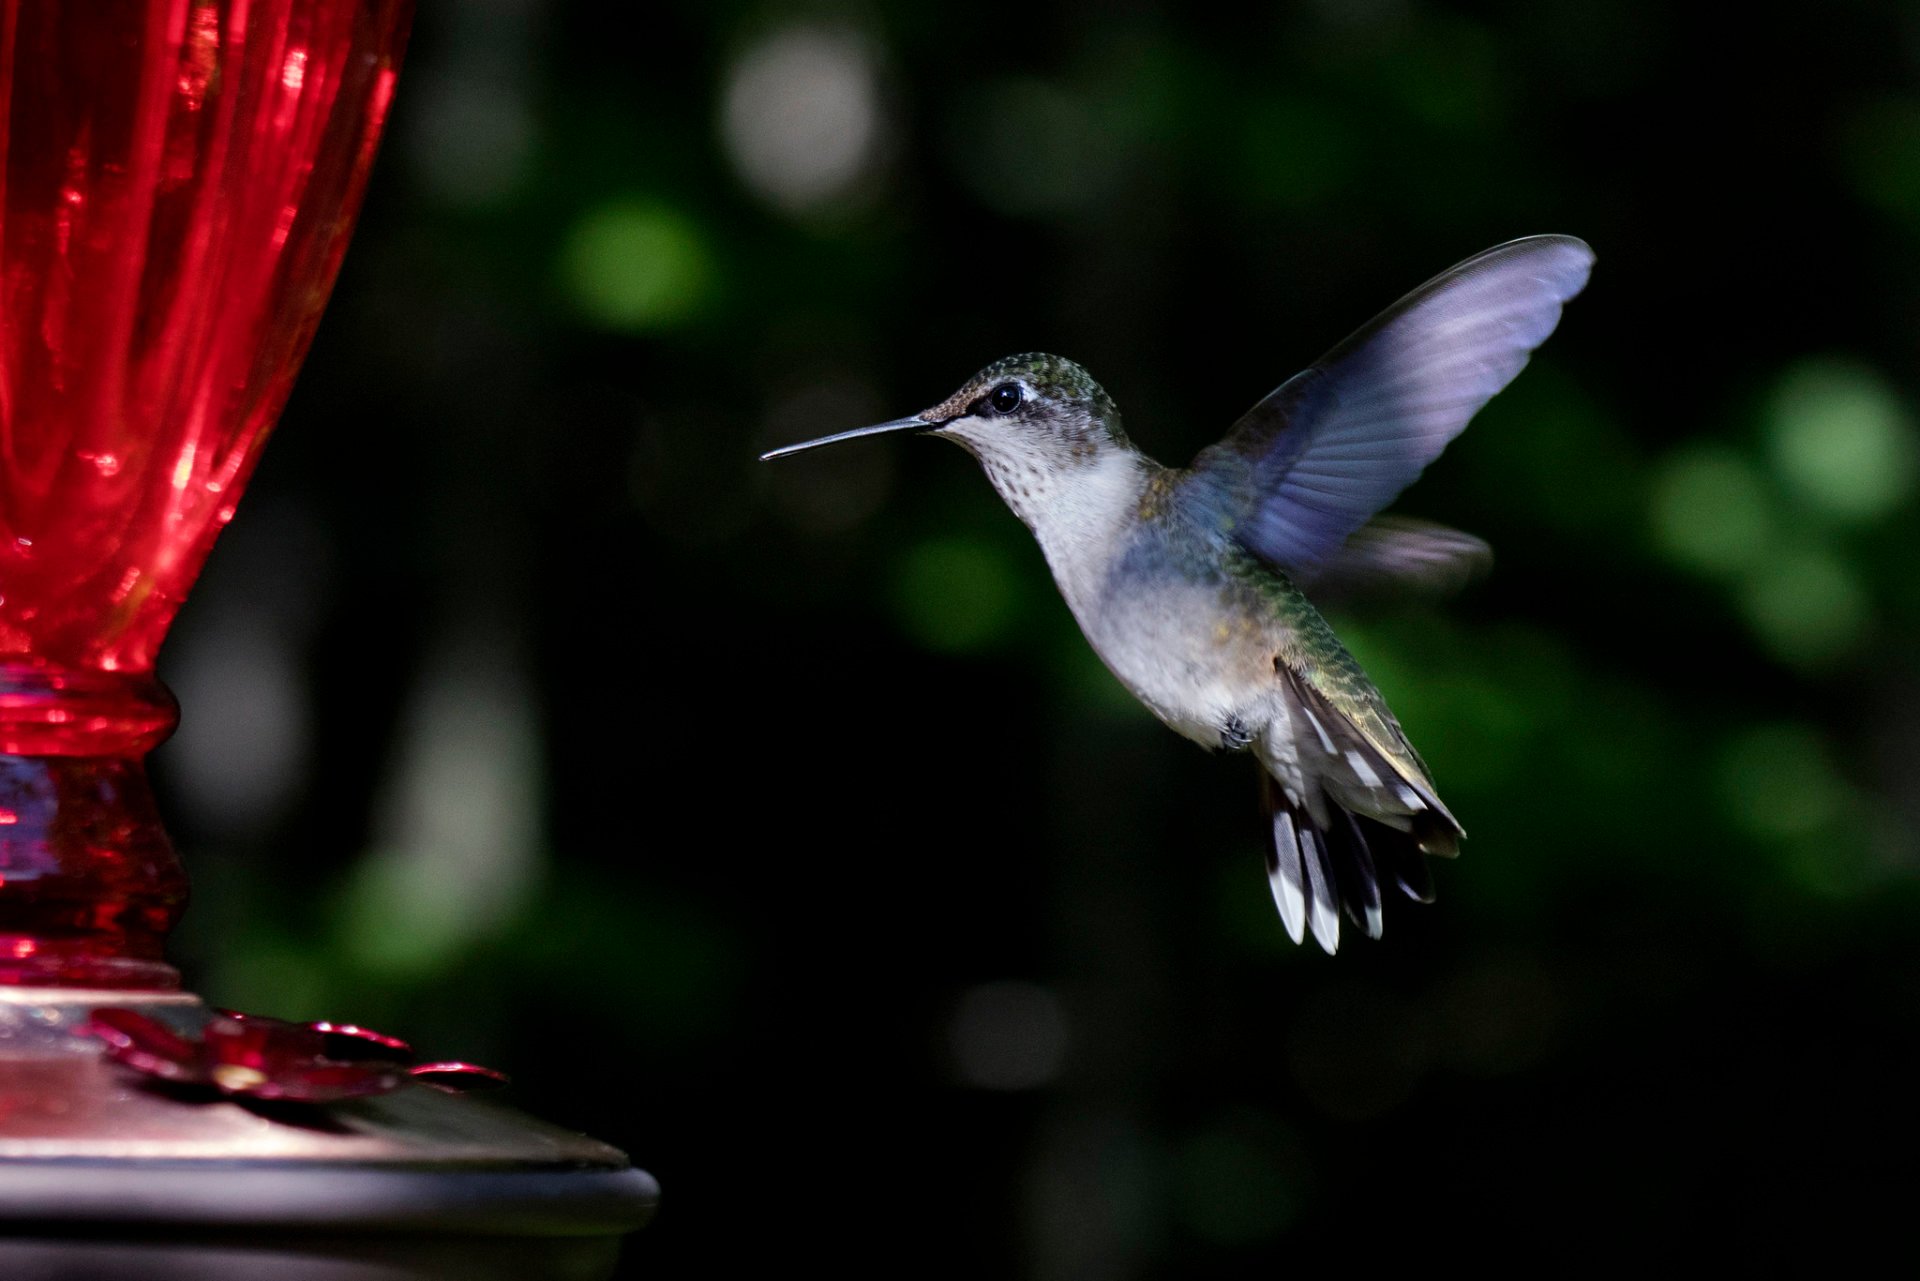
x,y
1235,736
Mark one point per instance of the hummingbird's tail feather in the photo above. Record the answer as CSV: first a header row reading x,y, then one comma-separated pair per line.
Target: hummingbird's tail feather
x,y
1285,872
1359,879
1300,869
1400,857
1320,869
1373,775
1322,916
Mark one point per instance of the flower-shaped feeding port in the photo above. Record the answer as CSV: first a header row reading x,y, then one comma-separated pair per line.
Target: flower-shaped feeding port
x,y
245,1057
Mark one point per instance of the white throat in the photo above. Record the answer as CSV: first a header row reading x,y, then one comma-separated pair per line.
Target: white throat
x,y
1082,525
1078,509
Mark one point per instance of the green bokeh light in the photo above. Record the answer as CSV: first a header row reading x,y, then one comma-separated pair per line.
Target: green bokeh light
x,y
1777,781
398,917
637,266
265,970
1807,606
955,594
1711,511
1565,460
1839,437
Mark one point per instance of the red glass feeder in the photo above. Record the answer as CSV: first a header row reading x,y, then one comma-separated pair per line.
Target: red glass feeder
x,y
178,180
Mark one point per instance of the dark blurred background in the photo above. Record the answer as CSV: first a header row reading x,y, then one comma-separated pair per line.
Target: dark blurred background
x,y
776,824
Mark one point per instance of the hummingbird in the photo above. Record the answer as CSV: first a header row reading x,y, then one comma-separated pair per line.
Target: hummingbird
x,y
1191,583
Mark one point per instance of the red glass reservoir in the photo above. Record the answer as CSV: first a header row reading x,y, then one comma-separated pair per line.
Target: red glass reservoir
x,y
181,177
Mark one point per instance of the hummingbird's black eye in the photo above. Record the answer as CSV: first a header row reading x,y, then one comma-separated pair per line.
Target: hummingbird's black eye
x,y
1005,398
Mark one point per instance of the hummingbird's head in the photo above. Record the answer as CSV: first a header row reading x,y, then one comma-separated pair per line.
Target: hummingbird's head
x,y
1043,409
1038,424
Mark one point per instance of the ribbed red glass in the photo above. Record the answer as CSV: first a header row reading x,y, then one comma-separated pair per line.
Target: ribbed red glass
x,y
181,177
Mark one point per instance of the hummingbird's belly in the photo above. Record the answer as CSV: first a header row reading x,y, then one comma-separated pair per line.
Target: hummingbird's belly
x,y
1199,663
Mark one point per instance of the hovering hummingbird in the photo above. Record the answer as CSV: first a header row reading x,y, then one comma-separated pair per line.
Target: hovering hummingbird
x,y
1189,582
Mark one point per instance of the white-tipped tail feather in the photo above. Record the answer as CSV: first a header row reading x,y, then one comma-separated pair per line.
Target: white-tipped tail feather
x,y
1288,878
1320,873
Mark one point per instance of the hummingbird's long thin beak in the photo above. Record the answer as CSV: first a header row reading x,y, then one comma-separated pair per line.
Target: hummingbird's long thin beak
x,y
898,424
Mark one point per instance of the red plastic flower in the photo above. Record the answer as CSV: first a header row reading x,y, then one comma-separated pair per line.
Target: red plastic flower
x,y
248,1057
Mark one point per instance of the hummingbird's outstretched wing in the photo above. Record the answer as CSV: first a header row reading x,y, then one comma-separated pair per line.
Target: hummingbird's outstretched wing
x,y
1336,443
